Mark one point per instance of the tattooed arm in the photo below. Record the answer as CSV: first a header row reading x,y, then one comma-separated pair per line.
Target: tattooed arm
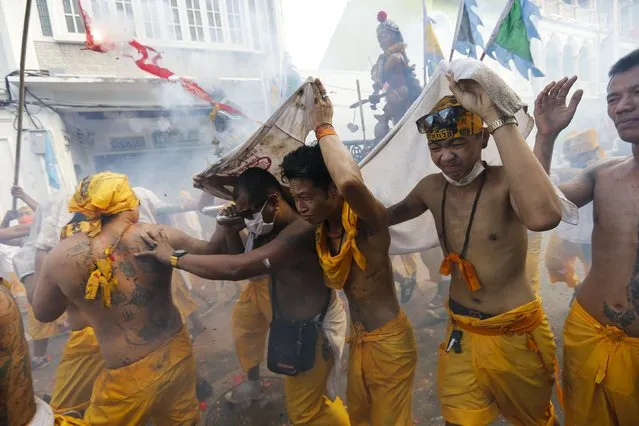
x,y
411,206
276,254
49,302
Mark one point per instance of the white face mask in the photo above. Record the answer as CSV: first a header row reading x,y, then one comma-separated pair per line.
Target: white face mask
x,y
469,178
257,225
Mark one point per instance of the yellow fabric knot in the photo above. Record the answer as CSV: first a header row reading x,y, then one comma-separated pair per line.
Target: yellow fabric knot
x,y
337,268
102,278
102,194
467,269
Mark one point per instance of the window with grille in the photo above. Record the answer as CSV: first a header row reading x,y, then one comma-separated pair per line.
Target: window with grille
x,y
151,19
45,18
214,15
72,16
194,14
172,18
234,14
124,10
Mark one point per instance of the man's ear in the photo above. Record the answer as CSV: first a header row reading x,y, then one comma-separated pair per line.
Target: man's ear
x,y
332,190
484,138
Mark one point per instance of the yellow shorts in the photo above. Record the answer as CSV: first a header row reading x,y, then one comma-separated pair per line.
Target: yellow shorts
x,y
43,330
381,373
601,372
182,296
306,400
251,320
532,260
160,386
498,373
409,263
80,366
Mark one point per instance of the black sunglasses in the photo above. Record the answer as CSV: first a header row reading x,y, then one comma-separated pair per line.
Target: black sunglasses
x,y
248,213
446,118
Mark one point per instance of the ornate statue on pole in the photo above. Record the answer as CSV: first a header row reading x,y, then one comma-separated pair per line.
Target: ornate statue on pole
x,y
393,78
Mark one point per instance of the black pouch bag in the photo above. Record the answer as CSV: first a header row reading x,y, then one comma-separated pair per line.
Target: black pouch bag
x,y
291,344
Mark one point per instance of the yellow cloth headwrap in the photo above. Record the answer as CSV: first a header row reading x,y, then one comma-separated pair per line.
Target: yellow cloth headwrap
x,y
468,124
336,268
103,194
74,228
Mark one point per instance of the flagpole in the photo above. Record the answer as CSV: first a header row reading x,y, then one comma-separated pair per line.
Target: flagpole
x,y
424,24
457,26
23,59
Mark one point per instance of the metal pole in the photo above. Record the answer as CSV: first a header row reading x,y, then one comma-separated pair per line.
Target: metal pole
x,y
23,58
361,110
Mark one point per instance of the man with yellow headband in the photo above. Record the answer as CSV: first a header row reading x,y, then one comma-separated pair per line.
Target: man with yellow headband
x,y
499,354
568,242
352,241
149,365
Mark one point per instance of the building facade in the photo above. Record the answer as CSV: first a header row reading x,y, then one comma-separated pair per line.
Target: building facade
x,y
88,111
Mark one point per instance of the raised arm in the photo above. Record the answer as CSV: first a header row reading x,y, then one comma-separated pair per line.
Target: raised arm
x,y
274,255
13,232
19,193
410,207
49,303
532,195
552,116
343,169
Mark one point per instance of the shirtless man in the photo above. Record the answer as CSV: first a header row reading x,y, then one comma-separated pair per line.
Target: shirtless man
x,y
149,365
280,244
601,333
482,214
352,242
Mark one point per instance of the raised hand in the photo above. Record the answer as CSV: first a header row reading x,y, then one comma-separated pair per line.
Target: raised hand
x,y
552,115
322,109
474,98
17,192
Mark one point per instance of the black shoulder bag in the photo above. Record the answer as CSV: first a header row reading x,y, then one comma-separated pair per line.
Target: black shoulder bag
x,y
291,343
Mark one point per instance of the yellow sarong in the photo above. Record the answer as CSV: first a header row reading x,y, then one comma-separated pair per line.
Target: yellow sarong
x,y
80,366
381,373
182,296
160,386
532,260
306,400
337,268
601,371
17,404
251,319
505,366
44,330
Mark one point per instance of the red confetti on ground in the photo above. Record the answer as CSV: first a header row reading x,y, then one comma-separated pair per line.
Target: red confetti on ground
x,y
237,379
267,383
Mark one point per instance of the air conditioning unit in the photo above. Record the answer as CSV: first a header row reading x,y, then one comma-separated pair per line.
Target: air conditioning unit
x,y
36,139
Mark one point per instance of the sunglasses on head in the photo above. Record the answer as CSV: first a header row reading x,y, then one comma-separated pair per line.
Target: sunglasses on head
x,y
446,118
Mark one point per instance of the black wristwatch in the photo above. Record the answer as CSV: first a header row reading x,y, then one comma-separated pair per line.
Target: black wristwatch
x,y
176,255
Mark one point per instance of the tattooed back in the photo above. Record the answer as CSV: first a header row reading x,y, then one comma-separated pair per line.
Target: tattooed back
x,y
142,316
610,292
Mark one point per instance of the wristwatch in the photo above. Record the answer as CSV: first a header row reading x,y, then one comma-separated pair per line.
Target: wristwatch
x,y
176,255
501,122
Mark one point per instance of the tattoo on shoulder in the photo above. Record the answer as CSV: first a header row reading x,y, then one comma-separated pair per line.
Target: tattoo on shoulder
x,y
628,316
141,296
128,270
146,266
79,249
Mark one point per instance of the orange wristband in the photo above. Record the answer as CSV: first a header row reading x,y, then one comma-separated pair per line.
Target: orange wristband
x,y
324,130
